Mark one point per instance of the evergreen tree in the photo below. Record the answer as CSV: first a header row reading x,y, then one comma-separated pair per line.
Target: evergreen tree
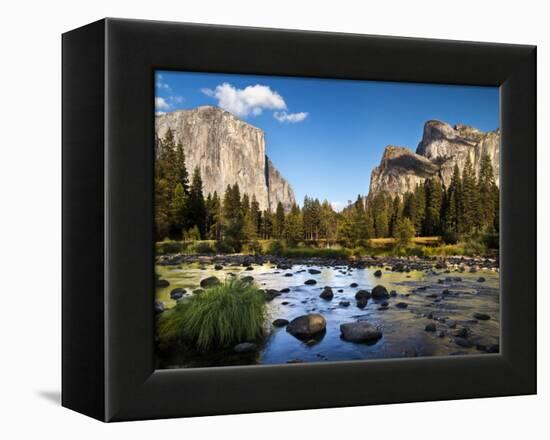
x,y
178,210
196,204
255,215
487,195
328,223
434,198
468,199
419,208
404,232
293,226
279,223
233,218
214,217
396,214
451,209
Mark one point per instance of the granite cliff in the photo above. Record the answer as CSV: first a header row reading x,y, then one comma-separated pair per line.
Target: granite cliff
x,y
442,146
227,150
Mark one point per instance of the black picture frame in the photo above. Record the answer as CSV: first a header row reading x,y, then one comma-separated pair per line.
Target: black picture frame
x,y
108,283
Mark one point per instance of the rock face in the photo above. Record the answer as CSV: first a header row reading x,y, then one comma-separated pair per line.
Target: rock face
x,y
227,150
442,146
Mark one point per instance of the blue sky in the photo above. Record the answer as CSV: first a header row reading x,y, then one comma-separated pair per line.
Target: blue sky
x,y
325,136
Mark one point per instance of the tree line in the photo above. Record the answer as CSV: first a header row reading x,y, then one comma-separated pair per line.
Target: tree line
x,y
470,204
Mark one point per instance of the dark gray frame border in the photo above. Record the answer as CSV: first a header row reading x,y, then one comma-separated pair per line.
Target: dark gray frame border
x,y
133,390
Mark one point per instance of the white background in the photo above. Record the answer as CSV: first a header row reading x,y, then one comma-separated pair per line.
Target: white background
x,y
30,216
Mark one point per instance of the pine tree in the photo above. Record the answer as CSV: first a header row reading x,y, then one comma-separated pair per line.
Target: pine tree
x,y
419,208
468,198
233,218
293,231
434,198
486,192
255,215
178,209
279,224
452,203
396,214
196,204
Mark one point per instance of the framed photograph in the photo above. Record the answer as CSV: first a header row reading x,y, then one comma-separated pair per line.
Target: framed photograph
x,y
261,220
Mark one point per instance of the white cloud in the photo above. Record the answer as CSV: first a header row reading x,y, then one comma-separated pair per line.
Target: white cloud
x,y
251,99
161,104
177,99
290,117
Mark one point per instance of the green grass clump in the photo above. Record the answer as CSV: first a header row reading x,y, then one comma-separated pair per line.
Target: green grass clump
x,y
221,316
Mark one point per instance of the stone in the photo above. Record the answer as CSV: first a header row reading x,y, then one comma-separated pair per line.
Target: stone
x,y
362,303
245,347
209,282
378,273
310,282
482,316
462,333
314,271
285,290
462,342
162,283
280,322
362,294
218,267
288,275
177,293
380,292
344,303
271,294
401,305
306,327
353,285
247,279
430,327
227,150
481,280
360,331
327,294
159,307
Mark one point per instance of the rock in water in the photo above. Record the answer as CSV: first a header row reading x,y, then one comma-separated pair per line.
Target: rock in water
x,y
430,327
306,327
360,331
314,271
209,282
226,150
380,292
442,146
378,273
327,294
310,282
177,293
482,316
280,322
159,307
245,347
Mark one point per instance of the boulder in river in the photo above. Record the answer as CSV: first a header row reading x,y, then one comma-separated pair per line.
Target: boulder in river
x,y
380,292
177,293
314,271
247,279
401,305
245,347
280,322
306,327
159,307
362,294
378,273
288,275
463,342
327,294
344,303
210,282
218,267
285,290
310,282
162,283
482,316
362,303
481,280
271,294
360,331
353,285
430,327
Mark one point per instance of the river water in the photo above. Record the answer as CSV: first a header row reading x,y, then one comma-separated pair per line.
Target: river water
x,y
431,297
